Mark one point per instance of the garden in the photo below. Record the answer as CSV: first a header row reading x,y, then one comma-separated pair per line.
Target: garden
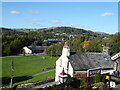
x,y
81,82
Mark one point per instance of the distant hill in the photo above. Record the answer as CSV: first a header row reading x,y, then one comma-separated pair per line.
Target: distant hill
x,y
8,31
58,30
72,30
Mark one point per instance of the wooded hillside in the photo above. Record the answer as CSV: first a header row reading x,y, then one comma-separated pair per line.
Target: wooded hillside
x,y
13,40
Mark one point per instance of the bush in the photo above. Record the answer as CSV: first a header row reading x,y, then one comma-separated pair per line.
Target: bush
x,y
73,82
98,84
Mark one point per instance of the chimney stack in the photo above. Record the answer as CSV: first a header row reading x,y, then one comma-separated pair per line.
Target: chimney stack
x,y
106,48
66,49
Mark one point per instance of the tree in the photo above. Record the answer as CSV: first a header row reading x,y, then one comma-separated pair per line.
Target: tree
x,y
115,43
76,46
6,50
87,45
55,50
79,39
15,46
51,50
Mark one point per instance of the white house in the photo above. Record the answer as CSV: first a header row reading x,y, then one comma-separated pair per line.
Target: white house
x,y
27,50
63,62
82,62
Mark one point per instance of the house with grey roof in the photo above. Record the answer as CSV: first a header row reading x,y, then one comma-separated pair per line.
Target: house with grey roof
x,y
82,62
116,59
34,49
115,77
85,61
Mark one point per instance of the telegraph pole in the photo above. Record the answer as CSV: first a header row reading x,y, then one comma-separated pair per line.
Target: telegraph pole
x,y
12,70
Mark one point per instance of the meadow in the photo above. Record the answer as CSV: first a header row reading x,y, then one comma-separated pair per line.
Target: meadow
x,y
26,66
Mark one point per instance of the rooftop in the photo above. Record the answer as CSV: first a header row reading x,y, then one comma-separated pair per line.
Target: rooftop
x,y
38,47
85,61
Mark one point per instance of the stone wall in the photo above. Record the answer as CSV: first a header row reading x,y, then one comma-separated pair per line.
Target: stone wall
x,y
31,85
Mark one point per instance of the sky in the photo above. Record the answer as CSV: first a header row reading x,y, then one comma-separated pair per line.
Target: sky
x,y
94,16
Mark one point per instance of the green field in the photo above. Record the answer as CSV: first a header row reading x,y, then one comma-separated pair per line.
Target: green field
x,y
38,78
25,66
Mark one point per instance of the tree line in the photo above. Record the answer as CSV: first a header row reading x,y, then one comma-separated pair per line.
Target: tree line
x,y
88,44
13,41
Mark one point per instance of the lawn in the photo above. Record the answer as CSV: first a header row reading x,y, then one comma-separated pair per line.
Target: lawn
x,y
38,78
25,66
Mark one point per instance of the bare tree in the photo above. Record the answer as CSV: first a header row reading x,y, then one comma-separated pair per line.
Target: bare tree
x,y
12,70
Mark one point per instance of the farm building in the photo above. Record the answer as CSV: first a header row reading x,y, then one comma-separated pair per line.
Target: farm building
x,y
35,49
82,62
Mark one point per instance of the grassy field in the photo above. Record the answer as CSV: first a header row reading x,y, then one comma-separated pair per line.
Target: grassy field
x,y
38,78
25,66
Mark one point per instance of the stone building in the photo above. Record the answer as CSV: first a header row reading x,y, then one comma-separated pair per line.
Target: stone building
x,y
82,62
116,59
115,77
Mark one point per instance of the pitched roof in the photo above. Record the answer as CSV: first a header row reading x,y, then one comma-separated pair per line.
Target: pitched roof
x,y
115,56
85,61
34,48
62,74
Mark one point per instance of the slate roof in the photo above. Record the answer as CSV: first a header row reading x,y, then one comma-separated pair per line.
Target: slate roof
x,y
85,61
53,41
37,48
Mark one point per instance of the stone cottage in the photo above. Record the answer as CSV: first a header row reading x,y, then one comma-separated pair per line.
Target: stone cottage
x,y
82,62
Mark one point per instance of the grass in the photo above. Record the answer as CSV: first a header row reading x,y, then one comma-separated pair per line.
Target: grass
x,y
0,67
38,78
27,65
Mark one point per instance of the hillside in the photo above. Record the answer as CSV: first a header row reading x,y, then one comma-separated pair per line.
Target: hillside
x,y
8,31
72,30
13,40
58,30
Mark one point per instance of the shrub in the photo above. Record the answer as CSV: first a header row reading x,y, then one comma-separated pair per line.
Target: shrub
x,y
98,84
73,82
